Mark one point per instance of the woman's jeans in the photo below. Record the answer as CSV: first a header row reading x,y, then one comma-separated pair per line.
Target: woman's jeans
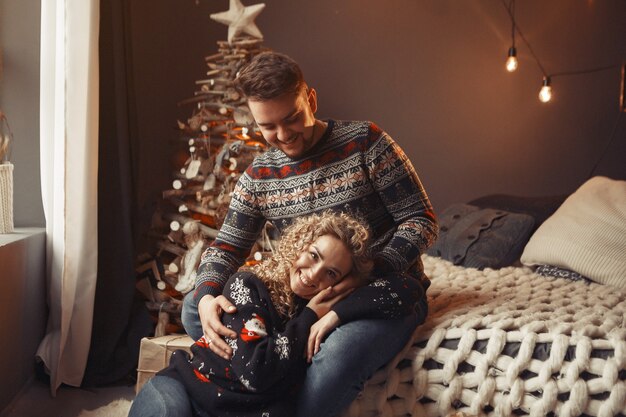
x,y
347,359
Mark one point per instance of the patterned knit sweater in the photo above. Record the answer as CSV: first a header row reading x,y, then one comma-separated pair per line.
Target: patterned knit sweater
x,y
268,365
356,168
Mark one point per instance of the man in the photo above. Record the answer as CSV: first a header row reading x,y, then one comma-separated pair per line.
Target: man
x,y
315,165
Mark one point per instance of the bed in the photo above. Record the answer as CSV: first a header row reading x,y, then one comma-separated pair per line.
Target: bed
x,y
544,334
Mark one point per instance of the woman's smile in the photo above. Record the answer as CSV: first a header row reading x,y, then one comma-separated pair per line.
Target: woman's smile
x,y
305,281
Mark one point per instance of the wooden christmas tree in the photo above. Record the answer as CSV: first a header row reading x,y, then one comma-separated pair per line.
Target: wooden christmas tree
x,y
219,140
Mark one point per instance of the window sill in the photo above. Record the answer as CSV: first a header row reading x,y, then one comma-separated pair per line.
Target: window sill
x,y
19,233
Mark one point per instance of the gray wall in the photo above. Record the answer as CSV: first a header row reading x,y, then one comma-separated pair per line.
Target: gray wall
x,y
19,100
430,72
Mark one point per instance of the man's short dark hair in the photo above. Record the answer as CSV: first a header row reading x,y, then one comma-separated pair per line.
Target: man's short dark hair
x,y
270,75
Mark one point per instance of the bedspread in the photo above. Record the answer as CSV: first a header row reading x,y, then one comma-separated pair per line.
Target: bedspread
x,y
507,342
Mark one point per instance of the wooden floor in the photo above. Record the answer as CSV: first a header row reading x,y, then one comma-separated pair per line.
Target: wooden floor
x,y
35,400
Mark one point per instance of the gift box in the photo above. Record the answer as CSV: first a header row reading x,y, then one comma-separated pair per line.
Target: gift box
x,y
155,353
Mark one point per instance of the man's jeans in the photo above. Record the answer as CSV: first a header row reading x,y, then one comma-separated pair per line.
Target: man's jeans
x,y
163,396
347,359
190,317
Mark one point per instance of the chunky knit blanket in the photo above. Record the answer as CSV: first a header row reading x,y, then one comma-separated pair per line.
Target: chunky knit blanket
x,y
507,342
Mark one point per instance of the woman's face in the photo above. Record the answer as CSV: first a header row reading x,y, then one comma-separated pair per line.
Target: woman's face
x,y
323,264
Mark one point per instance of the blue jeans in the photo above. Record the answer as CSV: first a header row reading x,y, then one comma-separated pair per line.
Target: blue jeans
x,y
347,359
190,317
163,396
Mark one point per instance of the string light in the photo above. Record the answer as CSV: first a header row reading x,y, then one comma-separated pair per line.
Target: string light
x,y
511,61
545,94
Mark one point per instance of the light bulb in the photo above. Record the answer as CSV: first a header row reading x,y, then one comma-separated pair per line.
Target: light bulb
x,y
545,94
511,61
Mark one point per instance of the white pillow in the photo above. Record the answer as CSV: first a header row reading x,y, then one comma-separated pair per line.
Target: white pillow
x,y
587,234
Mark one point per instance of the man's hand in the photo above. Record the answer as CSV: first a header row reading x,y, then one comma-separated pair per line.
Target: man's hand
x,y
319,331
210,310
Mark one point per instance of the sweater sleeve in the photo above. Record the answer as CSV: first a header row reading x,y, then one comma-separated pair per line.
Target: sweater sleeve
x,y
266,349
391,296
395,180
399,285
242,225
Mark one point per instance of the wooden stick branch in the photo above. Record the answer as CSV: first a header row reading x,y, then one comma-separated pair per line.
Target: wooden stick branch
x,y
206,230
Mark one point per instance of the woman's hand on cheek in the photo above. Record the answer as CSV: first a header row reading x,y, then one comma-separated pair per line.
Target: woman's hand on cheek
x,y
349,282
328,320
320,329
324,300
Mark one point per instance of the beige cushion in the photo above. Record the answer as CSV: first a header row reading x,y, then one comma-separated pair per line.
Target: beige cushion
x,y
587,234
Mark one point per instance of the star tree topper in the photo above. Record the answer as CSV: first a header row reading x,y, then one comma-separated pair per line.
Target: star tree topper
x,y
240,19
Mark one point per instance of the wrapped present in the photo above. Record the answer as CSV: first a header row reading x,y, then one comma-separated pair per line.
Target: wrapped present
x,y
155,353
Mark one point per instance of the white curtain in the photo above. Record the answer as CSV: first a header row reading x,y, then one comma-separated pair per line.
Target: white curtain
x,y
69,180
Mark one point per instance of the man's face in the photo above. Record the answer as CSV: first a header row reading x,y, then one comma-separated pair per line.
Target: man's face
x,y
286,122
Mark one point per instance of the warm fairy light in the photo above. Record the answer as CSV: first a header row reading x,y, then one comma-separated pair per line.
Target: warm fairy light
x,y
511,62
545,94
244,133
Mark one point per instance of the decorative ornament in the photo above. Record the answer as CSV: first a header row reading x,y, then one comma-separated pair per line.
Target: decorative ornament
x,y
240,19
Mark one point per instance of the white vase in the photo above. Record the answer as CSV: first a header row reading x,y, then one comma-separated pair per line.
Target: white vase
x,y
6,197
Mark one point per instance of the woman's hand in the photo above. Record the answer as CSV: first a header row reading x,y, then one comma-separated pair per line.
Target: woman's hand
x,y
328,320
348,282
324,300
210,310
319,331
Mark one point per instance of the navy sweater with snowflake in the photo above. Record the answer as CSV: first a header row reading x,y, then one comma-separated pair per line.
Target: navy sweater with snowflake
x,y
268,364
355,168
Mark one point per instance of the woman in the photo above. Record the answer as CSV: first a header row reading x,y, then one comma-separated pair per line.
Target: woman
x,y
277,302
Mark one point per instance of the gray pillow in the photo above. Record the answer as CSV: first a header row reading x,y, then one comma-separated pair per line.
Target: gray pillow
x,y
481,237
540,208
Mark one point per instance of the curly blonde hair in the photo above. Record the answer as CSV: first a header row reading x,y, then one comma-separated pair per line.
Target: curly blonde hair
x,y
275,271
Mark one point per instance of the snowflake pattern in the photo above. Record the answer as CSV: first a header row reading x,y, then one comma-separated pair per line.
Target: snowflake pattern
x,y
361,165
246,384
239,292
232,343
282,348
